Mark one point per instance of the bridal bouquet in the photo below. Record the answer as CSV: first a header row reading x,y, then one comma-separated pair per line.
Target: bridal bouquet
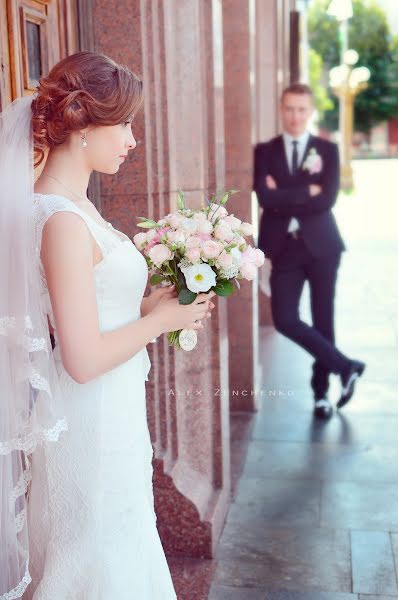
x,y
198,251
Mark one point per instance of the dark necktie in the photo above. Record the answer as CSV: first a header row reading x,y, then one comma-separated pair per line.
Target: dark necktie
x,y
295,158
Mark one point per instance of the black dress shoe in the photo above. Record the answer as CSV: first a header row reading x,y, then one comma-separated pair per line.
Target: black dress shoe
x,y
323,409
348,380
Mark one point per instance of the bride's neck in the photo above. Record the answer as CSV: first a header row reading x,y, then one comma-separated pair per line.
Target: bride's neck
x,y
63,166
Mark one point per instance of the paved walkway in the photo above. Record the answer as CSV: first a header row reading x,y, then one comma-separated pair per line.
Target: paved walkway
x,y
315,516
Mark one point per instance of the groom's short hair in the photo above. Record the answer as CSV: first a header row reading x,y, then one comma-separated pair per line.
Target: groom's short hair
x,y
300,89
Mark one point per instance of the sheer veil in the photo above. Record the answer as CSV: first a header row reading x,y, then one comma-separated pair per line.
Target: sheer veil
x,y
31,410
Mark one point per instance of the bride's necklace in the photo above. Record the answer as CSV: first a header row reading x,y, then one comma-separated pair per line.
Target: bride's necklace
x,y
66,187
107,223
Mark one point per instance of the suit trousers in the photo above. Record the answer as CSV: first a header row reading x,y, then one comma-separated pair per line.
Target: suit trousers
x,y
290,270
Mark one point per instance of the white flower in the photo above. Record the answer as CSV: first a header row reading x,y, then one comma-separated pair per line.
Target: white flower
x,y
236,256
313,163
189,225
199,278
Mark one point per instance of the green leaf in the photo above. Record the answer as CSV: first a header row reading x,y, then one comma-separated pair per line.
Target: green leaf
x,y
156,278
181,201
186,296
148,225
223,288
143,219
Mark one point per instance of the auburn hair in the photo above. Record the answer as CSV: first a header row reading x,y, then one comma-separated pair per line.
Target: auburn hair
x,y
86,88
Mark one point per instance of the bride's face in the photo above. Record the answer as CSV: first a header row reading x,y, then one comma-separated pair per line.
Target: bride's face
x,y
108,146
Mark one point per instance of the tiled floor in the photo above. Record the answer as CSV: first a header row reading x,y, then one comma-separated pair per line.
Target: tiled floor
x,y
315,516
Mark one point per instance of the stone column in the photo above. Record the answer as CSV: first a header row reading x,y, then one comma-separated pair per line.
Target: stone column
x,y
272,75
239,78
174,46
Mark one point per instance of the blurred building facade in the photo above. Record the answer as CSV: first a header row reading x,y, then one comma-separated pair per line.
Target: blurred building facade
x,y
212,71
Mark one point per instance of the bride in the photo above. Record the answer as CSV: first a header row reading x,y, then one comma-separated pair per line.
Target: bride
x,y
76,506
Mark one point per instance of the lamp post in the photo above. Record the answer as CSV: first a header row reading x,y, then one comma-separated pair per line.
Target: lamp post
x,y
342,11
347,82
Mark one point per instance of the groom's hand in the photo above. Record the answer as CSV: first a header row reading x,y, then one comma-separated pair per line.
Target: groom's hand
x,y
315,189
270,183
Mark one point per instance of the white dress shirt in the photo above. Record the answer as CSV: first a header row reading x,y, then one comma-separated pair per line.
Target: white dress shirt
x,y
302,142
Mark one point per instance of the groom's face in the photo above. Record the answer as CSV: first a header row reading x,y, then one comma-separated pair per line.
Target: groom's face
x,y
296,111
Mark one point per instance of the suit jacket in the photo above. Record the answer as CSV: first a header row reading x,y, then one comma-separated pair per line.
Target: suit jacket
x,y
292,198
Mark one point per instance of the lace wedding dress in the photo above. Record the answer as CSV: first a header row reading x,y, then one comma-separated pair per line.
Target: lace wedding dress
x,y
91,514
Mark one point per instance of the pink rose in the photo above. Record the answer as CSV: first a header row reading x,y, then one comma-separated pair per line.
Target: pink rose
x,y
159,254
225,260
193,242
211,249
253,256
150,235
205,227
176,237
246,229
217,212
248,271
233,222
140,240
193,255
260,258
200,217
175,220
223,231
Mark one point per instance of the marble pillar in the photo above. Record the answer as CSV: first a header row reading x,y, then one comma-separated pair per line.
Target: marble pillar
x,y
272,75
177,48
239,90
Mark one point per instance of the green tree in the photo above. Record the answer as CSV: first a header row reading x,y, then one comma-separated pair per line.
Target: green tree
x,y
323,102
369,35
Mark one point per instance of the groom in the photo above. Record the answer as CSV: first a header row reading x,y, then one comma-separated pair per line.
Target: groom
x,y
296,178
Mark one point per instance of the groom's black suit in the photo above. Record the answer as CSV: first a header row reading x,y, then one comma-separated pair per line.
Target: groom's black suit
x,y
312,255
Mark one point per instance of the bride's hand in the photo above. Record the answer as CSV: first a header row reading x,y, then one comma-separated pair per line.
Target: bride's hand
x,y
173,316
156,295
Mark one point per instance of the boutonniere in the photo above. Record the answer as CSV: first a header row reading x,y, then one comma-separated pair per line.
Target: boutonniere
x,y
313,163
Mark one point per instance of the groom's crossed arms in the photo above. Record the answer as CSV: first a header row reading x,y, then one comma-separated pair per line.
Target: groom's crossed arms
x,y
298,198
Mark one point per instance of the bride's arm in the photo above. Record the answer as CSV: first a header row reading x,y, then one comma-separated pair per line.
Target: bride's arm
x,y
86,352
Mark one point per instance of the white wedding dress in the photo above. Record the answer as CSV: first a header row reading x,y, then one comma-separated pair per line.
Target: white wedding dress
x,y
92,522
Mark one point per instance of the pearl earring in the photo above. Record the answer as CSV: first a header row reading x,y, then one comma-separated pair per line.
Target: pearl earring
x,y
84,138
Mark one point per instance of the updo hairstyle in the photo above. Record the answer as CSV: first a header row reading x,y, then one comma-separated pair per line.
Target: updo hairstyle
x,y
83,89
